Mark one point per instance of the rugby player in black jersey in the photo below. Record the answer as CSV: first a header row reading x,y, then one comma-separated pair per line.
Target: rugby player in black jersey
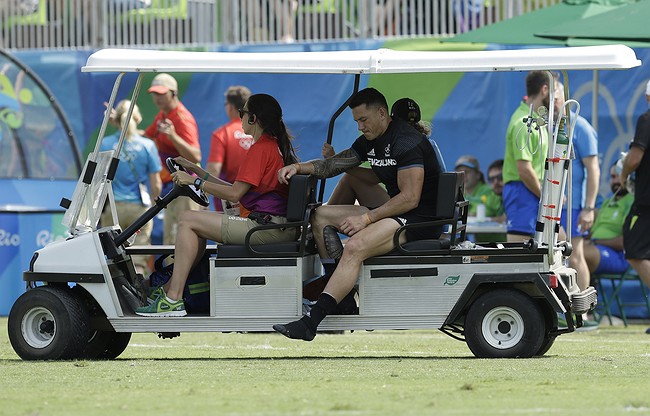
x,y
404,160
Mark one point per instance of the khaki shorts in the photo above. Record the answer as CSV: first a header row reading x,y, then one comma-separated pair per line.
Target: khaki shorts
x,y
234,229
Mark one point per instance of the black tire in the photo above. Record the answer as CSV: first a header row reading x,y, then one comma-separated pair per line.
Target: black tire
x,y
546,344
551,325
49,323
106,345
504,323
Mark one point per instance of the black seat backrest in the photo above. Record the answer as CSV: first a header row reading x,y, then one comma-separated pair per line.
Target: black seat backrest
x,y
450,184
302,191
451,209
300,203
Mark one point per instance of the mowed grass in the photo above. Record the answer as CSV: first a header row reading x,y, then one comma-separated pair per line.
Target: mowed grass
x,y
604,372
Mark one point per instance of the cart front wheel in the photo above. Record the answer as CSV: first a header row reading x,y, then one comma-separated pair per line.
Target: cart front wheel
x,y
48,323
107,345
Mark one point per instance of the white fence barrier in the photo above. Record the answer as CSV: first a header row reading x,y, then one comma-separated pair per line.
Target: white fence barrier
x,y
159,23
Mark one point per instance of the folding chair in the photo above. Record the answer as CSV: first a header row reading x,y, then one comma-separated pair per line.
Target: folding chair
x,y
617,281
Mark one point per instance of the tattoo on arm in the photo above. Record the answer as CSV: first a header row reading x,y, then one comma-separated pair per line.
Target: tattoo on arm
x,y
340,162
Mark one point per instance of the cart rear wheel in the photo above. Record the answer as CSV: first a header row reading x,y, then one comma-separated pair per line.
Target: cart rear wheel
x,y
48,323
504,323
551,325
546,344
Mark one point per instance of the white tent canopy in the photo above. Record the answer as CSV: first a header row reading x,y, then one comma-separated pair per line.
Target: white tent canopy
x,y
379,61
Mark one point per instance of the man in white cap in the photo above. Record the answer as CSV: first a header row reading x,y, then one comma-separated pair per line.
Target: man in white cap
x,y
176,134
636,229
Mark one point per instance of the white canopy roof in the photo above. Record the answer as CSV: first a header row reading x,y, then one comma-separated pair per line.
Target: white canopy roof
x,y
364,61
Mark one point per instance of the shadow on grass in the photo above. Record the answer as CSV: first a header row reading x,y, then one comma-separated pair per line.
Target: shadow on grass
x,y
288,358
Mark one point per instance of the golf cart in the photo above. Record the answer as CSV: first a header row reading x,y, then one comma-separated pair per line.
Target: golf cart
x,y
502,299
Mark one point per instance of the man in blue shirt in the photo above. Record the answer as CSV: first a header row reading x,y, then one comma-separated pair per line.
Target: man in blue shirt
x,y
584,186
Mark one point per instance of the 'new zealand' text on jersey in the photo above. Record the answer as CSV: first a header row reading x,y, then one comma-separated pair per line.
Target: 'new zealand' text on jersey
x,y
402,147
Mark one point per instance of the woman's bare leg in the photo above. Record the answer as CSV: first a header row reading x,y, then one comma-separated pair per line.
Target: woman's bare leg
x,y
194,228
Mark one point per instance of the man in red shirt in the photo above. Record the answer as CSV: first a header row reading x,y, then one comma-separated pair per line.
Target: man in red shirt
x,y
176,134
229,143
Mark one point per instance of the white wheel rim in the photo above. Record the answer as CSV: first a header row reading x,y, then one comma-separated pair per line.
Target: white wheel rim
x,y
502,328
38,327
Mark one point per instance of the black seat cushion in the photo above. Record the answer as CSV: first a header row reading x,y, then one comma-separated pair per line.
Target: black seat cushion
x,y
300,201
423,245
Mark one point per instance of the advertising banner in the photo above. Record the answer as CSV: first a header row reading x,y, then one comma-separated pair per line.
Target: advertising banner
x,y
22,232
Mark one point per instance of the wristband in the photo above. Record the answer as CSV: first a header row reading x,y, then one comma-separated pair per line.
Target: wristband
x,y
297,166
366,218
206,176
589,208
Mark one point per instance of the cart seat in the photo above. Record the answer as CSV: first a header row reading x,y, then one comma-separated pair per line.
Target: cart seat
x,y
451,210
300,204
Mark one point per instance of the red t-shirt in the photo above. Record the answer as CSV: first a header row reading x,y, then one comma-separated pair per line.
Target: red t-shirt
x,y
260,169
185,127
228,146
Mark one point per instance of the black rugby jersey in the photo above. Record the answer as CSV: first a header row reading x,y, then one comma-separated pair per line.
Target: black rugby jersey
x,y
402,147
642,181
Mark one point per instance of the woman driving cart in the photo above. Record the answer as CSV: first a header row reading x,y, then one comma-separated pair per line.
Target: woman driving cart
x,y
261,198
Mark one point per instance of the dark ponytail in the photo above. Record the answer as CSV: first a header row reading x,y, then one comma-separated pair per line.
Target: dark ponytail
x,y
268,112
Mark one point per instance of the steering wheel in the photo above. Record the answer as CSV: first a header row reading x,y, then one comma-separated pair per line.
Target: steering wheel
x,y
196,194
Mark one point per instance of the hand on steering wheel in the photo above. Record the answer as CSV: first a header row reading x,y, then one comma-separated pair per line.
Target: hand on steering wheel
x,y
194,192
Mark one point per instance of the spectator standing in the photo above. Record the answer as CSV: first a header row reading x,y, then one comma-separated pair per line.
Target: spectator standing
x,y
523,164
229,142
175,133
284,15
603,249
636,230
585,173
139,165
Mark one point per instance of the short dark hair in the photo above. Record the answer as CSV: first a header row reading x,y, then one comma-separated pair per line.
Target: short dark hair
x,y
535,80
369,97
497,164
237,96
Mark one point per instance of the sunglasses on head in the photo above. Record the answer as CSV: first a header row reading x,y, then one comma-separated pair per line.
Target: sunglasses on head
x,y
495,178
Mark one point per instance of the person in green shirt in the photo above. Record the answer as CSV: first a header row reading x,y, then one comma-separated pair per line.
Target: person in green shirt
x,y
494,204
487,195
476,190
523,164
603,249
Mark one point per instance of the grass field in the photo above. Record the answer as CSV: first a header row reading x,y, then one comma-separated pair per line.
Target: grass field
x,y
603,372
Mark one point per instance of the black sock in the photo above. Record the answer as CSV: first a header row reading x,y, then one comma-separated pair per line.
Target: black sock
x,y
305,327
325,305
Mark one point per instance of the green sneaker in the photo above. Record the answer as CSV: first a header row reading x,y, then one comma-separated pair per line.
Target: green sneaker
x,y
155,294
162,307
